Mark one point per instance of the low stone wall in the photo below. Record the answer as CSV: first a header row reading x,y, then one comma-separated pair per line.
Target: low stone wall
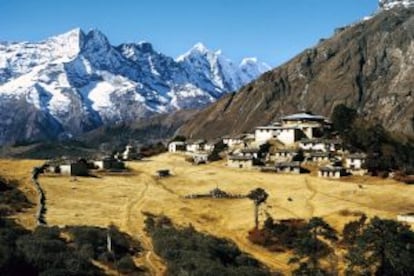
x,y
41,199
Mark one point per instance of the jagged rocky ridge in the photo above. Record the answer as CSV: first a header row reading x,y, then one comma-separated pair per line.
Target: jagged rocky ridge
x,y
369,66
77,81
389,4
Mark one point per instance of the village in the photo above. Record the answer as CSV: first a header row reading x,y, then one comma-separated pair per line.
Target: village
x,y
301,143
296,144
291,145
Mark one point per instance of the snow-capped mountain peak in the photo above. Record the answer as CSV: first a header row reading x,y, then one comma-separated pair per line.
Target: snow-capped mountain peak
x,y
248,60
67,45
216,66
79,81
252,63
252,67
200,47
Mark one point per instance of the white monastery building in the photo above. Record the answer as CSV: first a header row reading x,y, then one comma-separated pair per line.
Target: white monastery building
x,y
292,128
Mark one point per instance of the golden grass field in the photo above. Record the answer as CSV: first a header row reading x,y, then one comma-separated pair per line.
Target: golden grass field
x,y
121,199
20,170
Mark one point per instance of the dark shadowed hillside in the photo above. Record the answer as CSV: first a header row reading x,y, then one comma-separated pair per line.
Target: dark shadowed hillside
x,y
104,139
368,66
144,131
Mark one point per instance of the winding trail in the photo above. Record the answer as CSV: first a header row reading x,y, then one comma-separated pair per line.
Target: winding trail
x,y
133,222
266,257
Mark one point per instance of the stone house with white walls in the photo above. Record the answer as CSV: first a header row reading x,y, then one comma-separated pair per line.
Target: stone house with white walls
x,y
240,162
177,146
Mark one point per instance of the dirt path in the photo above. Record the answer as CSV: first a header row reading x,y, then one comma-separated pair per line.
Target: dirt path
x,y
265,257
309,204
135,223
152,261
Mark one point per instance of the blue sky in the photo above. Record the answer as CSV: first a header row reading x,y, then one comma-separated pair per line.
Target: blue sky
x,y
272,30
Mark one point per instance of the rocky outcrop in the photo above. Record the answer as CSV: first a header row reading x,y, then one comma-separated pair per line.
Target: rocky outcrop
x,y
368,66
390,4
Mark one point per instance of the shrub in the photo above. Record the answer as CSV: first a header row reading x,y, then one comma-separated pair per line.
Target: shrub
x,y
343,117
126,264
179,138
12,200
188,252
49,254
87,238
219,147
153,149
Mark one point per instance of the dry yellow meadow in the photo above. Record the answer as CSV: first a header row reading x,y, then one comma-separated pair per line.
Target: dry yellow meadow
x,y
121,199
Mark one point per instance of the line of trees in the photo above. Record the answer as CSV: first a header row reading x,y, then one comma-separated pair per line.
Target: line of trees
x,y
45,252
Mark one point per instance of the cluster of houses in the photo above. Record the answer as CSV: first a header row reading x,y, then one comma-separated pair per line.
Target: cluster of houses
x,y
296,139
197,150
82,167
292,142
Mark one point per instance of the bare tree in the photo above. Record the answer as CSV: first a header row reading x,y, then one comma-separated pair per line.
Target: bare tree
x,y
258,196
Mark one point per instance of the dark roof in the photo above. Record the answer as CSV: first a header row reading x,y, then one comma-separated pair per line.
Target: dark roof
x,y
307,140
198,141
294,164
240,158
238,137
276,127
214,141
250,150
321,140
178,142
60,162
331,169
286,150
304,116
